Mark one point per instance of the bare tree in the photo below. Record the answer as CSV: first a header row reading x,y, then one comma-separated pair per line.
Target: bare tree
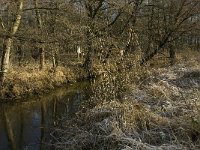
x,y
167,23
5,60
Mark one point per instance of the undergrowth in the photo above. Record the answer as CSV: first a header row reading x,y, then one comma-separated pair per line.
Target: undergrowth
x,y
138,108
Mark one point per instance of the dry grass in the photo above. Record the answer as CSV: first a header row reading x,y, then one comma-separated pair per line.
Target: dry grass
x,y
28,80
116,125
160,110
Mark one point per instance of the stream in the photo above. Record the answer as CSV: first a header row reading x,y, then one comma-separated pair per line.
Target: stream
x,y
27,125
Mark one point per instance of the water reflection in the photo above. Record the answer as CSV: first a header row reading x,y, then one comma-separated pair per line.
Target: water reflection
x,y
27,125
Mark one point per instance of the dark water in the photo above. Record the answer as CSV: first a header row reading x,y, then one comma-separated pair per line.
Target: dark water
x,y
27,125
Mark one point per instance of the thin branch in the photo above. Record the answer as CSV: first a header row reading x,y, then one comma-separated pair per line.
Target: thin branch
x,y
40,8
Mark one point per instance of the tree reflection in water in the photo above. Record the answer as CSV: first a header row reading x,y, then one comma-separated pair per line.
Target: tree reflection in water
x,y
27,125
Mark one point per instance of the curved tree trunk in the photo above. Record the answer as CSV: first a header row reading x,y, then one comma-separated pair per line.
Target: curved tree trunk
x,y
5,60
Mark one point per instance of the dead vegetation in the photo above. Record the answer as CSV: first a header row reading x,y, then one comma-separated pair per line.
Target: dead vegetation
x,y
30,80
22,81
160,111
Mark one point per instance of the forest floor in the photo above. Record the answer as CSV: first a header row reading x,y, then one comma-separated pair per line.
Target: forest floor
x,y
161,112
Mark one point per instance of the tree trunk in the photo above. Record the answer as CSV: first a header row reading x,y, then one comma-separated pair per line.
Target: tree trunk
x,y
42,57
5,60
130,40
156,50
137,41
41,50
88,62
19,55
89,56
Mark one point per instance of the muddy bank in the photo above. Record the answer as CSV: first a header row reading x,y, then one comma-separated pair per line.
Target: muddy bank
x,y
161,113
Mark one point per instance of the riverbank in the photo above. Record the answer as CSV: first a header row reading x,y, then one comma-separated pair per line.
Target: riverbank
x,y
27,124
161,112
29,80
